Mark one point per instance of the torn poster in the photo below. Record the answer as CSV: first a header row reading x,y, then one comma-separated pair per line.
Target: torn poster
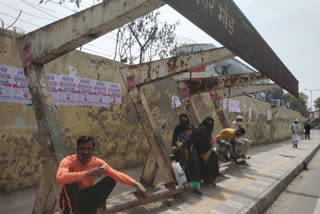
x,y
175,102
213,96
185,93
234,106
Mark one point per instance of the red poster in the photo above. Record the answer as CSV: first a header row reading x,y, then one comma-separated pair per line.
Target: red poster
x,y
131,82
213,96
185,94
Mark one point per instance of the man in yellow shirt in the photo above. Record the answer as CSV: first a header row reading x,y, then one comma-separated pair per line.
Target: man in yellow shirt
x,y
226,138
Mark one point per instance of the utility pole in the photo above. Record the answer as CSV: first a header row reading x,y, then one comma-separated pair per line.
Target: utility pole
x,y
311,90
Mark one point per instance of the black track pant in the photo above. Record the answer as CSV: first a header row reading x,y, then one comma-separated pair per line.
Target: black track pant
x,y
75,201
307,135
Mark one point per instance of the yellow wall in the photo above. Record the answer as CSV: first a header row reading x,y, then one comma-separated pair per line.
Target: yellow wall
x,y
121,141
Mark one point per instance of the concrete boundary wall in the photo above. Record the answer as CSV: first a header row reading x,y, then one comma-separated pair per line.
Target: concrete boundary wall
x,y
121,141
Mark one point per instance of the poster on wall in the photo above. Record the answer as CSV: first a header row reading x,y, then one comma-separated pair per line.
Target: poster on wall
x,y
68,90
65,89
269,115
213,96
114,92
250,112
175,102
53,82
257,114
234,106
20,90
244,108
224,104
100,93
85,91
5,84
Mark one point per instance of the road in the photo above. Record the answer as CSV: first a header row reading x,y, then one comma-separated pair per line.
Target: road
x,y
303,193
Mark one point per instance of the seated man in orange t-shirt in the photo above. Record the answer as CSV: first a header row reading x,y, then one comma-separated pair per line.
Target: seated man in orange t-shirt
x,y
77,173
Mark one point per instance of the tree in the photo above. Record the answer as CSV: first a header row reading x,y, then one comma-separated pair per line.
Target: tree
x,y
153,38
317,103
298,104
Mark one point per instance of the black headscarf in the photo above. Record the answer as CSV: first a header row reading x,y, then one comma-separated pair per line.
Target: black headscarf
x,y
184,123
208,125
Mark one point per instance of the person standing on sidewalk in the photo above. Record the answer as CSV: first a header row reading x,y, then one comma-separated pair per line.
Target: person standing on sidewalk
x,y
208,159
307,128
295,131
243,144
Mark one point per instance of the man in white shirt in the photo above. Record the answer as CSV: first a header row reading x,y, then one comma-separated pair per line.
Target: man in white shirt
x,y
243,144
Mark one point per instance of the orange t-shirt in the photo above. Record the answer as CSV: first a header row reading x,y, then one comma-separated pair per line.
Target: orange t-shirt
x,y
71,171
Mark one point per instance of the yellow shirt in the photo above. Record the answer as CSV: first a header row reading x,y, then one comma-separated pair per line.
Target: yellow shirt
x,y
227,134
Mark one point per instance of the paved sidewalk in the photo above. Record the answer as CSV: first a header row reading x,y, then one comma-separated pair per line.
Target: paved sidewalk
x,y
247,188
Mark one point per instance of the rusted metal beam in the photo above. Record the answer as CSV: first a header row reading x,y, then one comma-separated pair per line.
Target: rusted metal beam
x,y
156,196
224,21
51,136
209,84
56,39
150,169
157,147
146,73
235,91
219,111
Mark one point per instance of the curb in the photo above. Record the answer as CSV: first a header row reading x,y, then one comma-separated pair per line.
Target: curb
x,y
265,199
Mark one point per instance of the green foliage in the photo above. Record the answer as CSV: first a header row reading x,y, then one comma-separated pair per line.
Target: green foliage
x,y
317,103
298,104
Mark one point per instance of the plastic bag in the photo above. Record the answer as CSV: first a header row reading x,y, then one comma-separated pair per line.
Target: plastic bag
x,y
179,173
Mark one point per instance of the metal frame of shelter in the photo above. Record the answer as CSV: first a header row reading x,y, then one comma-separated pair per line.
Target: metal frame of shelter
x,y
221,19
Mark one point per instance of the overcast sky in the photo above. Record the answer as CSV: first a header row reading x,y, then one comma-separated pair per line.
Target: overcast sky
x,y
290,27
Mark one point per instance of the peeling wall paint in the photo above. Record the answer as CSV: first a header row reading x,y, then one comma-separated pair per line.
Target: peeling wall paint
x,y
120,138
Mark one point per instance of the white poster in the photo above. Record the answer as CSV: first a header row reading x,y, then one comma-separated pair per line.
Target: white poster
x,y
257,114
244,108
53,82
114,92
5,84
250,111
100,96
234,106
85,91
20,90
175,102
224,104
67,90
269,115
